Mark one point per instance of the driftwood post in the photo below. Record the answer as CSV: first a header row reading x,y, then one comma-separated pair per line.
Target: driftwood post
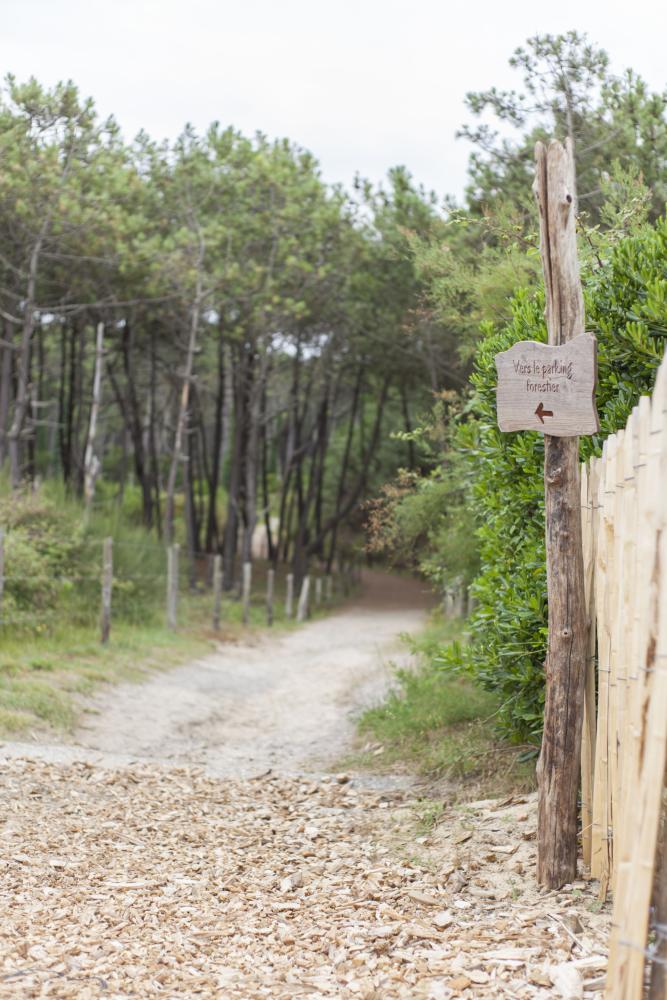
x,y
172,584
217,591
302,609
107,582
289,596
270,580
245,594
558,767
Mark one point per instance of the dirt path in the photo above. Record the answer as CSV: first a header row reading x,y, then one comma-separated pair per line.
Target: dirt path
x,y
286,703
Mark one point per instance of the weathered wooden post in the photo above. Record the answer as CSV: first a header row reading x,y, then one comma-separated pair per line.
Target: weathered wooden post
x,y
329,589
172,584
318,591
107,583
559,763
247,586
551,388
289,596
217,591
302,609
270,580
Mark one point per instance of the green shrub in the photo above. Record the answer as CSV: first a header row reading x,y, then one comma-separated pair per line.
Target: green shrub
x,y
53,562
626,306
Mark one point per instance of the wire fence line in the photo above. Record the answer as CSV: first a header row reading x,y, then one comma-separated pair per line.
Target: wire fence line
x,y
177,580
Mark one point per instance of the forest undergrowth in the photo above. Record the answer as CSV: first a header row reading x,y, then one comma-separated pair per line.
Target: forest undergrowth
x,y
50,650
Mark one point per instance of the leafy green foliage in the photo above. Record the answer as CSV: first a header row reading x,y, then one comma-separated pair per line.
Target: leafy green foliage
x,y
566,89
626,301
431,719
53,564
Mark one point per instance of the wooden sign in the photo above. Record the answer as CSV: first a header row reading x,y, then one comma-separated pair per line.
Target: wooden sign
x,y
550,389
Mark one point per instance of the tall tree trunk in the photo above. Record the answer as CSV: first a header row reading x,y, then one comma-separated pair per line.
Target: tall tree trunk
x,y
266,499
216,457
235,487
5,389
156,477
340,492
191,527
22,400
346,506
181,419
133,419
91,464
79,446
255,388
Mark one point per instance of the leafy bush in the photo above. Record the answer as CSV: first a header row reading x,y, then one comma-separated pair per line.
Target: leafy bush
x,y
423,521
626,306
53,563
42,546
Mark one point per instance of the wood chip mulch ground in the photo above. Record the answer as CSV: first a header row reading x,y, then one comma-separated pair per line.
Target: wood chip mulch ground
x,y
150,882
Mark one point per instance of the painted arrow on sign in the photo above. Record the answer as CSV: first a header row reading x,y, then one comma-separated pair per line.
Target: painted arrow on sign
x,y
542,413
533,375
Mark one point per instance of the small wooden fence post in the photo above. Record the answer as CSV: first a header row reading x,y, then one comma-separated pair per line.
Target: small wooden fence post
x,y
247,586
217,591
107,583
637,719
289,596
172,584
270,580
589,488
318,591
302,610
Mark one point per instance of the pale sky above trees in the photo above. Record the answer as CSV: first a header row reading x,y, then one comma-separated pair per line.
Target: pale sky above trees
x,y
363,84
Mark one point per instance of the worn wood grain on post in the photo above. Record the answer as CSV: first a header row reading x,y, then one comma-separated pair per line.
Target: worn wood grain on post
x,y
559,764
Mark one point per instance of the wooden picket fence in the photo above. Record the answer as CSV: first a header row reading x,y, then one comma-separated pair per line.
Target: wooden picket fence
x,y
624,519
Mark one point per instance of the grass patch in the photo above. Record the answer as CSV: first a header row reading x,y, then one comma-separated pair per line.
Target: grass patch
x,y
441,725
41,676
44,672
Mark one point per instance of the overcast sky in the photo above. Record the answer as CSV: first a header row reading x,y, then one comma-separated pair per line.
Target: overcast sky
x,y
363,84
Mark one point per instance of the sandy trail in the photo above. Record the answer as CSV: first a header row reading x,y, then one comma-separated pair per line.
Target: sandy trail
x,y
286,702
128,869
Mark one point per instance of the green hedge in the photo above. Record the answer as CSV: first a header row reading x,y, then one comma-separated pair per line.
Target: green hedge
x,y
626,306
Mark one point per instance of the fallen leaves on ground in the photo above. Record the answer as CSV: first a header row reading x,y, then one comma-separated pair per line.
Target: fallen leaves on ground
x,y
150,882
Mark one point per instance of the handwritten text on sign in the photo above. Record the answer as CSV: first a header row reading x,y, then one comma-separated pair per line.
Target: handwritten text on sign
x,y
549,389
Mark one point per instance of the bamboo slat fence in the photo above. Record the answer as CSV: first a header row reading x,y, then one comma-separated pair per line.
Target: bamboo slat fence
x,y
624,521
